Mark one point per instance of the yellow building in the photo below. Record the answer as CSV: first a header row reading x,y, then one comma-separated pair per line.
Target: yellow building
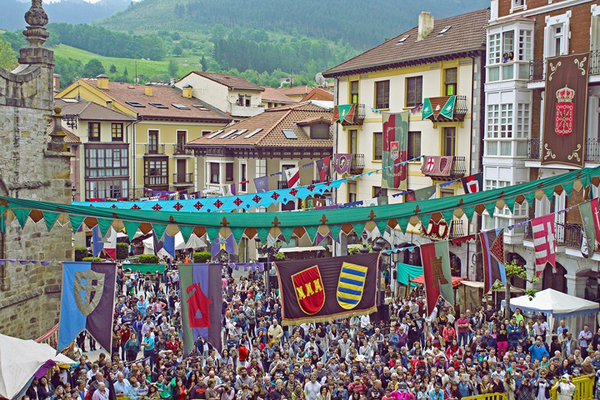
x,y
165,119
426,65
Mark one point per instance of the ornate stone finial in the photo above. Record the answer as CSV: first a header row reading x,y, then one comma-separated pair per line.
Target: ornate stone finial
x,y
57,136
36,19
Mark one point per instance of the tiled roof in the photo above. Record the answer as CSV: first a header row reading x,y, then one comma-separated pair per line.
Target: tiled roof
x,y
70,137
467,34
296,90
231,81
272,123
161,94
90,111
319,94
275,96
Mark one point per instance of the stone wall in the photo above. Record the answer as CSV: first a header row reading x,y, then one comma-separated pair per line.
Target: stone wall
x,y
30,293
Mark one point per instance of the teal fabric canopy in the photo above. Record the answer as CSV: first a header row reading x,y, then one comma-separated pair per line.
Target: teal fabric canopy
x,y
404,270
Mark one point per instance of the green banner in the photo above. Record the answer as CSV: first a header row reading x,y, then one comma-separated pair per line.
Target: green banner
x,y
145,268
448,109
395,150
406,271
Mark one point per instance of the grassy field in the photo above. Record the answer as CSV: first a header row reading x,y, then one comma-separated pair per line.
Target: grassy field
x,y
144,67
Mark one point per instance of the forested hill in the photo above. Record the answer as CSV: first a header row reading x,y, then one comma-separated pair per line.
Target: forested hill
x,y
12,12
362,23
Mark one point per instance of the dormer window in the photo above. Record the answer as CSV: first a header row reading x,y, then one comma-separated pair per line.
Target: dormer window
x,y
319,131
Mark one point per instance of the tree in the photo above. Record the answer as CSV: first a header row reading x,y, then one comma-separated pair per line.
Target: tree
x,y
178,51
513,270
173,68
204,64
8,60
113,69
125,73
93,68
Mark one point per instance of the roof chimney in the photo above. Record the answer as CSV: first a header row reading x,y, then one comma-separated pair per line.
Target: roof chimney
x,y
148,89
425,25
102,81
187,91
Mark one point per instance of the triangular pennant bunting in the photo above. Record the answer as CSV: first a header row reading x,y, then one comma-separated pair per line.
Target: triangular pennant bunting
x,y
104,224
447,215
287,233
359,227
311,231
425,219
22,216
131,227
76,221
335,231
568,187
549,192
403,223
213,232
529,197
186,232
159,230
238,233
50,218
382,225
263,233
469,211
491,208
510,202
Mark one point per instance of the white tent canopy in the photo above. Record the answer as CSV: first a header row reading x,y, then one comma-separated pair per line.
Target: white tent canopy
x,y
556,306
20,360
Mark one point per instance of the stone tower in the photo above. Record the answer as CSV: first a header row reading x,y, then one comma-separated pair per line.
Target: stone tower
x,y
32,167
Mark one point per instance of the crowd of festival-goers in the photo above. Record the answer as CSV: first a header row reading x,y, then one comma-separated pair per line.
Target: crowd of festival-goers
x,y
449,355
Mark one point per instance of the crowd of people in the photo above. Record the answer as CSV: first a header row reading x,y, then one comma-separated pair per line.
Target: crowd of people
x,y
448,355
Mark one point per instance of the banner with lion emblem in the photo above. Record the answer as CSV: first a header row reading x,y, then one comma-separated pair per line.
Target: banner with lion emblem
x,y
325,289
88,298
565,105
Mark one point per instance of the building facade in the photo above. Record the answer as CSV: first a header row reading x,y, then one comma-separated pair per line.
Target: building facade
x,y
165,119
33,168
521,36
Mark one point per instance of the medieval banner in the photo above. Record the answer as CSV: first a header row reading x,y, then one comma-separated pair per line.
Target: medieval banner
x,y
88,298
395,150
325,289
201,300
565,106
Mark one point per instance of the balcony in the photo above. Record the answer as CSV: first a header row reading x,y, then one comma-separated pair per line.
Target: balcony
x,y
183,179
445,108
358,164
592,149
180,150
537,68
458,169
156,180
457,229
567,234
353,118
151,149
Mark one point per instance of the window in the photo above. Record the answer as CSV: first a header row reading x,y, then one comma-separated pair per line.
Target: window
x,y
117,132
414,91
379,192
94,131
559,36
556,35
152,142
449,141
494,55
204,133
522,131
319,131
508,43
181,139
500,126
377,146
107,189
517,4
414,145
214,173
243,176
354,92
156,172
450,81
524,53
229,172
103,162
382,90
352,141
352,190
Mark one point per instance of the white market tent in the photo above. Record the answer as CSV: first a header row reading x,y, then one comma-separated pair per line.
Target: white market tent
x,y
557,305
20,360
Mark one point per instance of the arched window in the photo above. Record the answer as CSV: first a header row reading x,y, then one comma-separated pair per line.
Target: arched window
x,y
555,280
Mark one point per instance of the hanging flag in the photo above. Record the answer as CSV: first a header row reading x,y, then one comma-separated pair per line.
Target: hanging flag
x,y
395,150
596,215
97,243
88,298
292,176
589,227
344,112
261,184
223,244
342,162
426,193
348,283
169,244
436,273
492,249
544,242
110,245
232,190
473,183
323,166
202,297
437,165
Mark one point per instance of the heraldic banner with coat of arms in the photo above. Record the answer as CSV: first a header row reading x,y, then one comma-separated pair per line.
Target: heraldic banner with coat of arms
x,y
88,298
395,150
565,105
325,289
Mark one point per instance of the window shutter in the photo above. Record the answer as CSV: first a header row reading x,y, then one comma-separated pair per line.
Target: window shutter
x,y
566,29
547,42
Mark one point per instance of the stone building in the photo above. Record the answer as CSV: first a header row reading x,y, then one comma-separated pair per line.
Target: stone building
x,y
35,168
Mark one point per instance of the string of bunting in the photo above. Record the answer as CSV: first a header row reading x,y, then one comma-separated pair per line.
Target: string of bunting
x,y
23,262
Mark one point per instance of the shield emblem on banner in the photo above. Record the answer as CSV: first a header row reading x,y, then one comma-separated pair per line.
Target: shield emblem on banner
x,y
351,285
443,164
563,123
88,289
308,286
394,150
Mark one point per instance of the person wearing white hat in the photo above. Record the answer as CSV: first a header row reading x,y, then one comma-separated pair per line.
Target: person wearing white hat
x,y
565,388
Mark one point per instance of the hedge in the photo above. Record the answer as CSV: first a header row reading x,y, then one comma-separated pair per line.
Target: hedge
x,y
201,257
92,259
80,253
148,259
122,251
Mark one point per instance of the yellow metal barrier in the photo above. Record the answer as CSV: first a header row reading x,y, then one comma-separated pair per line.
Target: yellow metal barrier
x,y
584,389
488,396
